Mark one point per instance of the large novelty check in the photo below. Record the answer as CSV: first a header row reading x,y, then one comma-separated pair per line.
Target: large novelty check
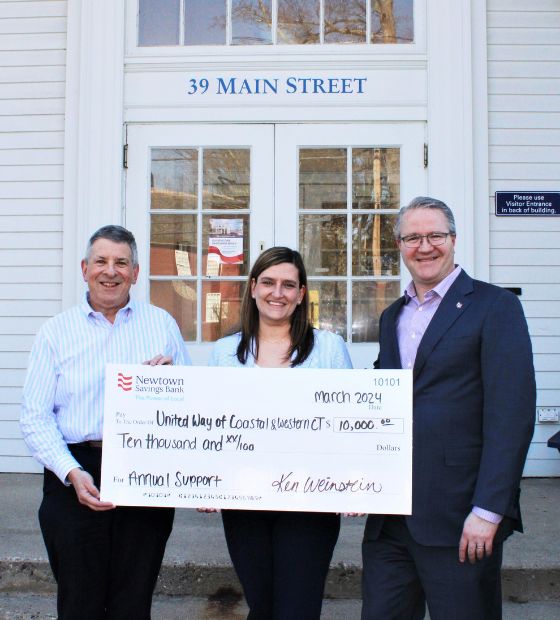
x,y
271,439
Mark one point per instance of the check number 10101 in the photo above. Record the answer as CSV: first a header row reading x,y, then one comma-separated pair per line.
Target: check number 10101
x,y
369,425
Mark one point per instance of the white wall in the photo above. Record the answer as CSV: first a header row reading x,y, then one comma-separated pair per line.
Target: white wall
x,y
524,138
32,84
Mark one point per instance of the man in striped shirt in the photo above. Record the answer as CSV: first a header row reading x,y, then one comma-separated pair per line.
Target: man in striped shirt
x,y
105,558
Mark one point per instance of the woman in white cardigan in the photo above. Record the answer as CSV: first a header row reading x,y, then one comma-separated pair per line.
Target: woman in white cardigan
x,y
281,557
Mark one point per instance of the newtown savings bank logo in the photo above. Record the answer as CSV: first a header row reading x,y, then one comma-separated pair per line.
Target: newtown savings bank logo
x,y
124,383
152,388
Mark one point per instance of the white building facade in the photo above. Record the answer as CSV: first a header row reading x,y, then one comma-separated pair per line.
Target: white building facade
x,y
213,131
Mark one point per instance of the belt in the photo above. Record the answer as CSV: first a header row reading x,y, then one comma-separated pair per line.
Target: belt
x,y
97,445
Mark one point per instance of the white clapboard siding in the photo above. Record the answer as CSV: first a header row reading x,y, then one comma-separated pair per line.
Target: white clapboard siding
x,y
524,141
27,207
32,10
31,275
534,70
31,58
32,105
525,137
16,342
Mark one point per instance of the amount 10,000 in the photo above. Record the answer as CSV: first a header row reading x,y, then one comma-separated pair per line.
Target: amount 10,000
x,y
348,425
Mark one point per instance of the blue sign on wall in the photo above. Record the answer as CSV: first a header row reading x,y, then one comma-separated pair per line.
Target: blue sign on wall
x,y
533,204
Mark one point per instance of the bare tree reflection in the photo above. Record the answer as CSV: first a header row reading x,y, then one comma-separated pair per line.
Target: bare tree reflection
x,y
344,20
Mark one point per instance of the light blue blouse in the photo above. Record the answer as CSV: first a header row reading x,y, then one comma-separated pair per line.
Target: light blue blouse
x,y
329,351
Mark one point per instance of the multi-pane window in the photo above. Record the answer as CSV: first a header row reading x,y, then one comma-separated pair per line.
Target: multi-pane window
x,y
199,237
348,201
202,220
274,22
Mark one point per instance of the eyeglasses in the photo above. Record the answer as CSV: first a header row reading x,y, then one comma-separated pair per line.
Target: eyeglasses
x,y
434,238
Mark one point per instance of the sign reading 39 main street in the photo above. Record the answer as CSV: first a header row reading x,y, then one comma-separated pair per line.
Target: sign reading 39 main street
x,y
271,439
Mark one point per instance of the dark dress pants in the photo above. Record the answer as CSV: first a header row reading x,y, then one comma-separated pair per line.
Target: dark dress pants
x,y
105,563
282,560
400,575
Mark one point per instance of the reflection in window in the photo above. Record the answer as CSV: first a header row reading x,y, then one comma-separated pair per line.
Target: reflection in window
x,y
251,22
221,308
346,219
369,299
392,21
158,22
180,300
374,252
375,178
174,178
328,305
226,179
173,245
322,178
345,21
322,239
205,22
298,22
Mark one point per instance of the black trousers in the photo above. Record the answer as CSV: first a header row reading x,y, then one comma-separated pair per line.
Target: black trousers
x,y
282,560
400,576
105,563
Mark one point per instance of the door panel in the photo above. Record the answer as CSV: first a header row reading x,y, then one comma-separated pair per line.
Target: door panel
x,y
200,202
338,191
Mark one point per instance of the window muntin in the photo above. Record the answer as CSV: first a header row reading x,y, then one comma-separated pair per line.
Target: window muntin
x,y
282,22
348,204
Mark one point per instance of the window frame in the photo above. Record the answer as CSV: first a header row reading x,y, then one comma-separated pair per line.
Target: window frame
x,y
229,54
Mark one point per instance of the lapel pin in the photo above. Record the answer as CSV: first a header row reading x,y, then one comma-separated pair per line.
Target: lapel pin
x,y
459,304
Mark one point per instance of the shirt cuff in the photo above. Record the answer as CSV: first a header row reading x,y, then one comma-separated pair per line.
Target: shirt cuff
x,y
492,517
63,468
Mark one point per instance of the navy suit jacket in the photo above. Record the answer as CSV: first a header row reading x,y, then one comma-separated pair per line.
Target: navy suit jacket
x,y
473,410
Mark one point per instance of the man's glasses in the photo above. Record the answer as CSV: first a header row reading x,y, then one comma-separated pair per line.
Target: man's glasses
x,y
434,238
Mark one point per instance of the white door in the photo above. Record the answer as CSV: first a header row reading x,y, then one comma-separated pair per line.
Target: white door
x,y
204,200
199,199
338,189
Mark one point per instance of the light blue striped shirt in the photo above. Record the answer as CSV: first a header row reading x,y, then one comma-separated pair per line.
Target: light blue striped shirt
x,y
329,351
64,388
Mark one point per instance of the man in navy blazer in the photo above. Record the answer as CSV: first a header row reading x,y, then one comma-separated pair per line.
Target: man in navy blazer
x,y
473,418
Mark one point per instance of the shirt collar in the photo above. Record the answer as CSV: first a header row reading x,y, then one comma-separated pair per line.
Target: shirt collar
x,y
88,311
440,289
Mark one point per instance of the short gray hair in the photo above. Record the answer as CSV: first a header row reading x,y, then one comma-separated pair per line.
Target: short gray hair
x,y
116,234
425,202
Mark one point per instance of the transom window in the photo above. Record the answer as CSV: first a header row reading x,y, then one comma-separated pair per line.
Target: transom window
x,y
274,22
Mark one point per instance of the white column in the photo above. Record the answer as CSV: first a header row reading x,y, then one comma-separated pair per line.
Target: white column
x,y
93,131
451,117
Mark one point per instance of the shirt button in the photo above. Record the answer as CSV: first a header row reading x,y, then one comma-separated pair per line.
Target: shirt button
x,y
420,308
